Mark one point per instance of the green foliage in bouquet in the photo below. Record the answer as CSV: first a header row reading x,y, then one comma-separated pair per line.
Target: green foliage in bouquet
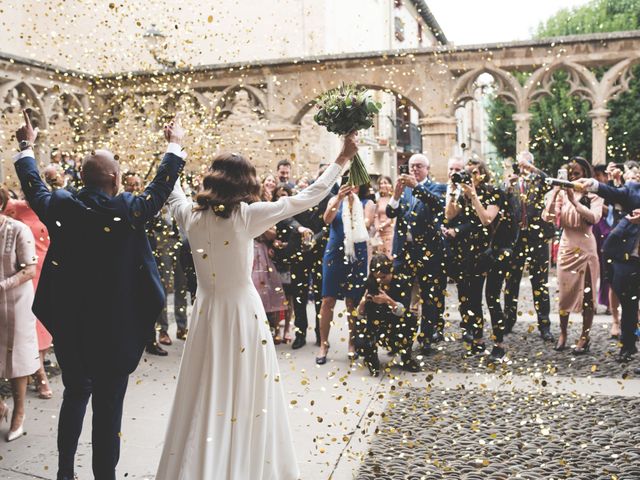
x,y
344,110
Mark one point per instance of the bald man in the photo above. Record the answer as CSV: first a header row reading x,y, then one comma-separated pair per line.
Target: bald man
x,y
100,252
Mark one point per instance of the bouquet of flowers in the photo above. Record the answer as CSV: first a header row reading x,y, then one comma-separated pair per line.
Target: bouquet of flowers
x,y
344,110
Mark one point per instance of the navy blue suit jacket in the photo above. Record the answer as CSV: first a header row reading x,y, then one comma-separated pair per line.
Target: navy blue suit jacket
x,y
624,237
99,291
419,212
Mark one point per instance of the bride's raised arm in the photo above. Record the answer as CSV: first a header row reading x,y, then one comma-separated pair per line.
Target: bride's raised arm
x,y
179,205
260,216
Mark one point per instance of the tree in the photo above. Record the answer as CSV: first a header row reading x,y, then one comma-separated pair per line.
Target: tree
x,y
560,126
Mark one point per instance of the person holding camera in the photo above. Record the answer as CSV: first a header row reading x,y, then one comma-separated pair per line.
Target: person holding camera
x,y
621,249
578,264
526,192
383,320
418,251
471,211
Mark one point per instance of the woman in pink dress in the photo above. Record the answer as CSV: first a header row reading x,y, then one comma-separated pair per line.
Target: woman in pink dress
x,y
578,264
384,226
20,210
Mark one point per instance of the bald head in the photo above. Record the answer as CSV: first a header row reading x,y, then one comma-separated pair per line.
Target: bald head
x,y
54,175
101,171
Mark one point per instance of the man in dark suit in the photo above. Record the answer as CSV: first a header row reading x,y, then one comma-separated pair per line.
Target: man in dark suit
x,y
99,250
418,258
623,257
526,193
307,267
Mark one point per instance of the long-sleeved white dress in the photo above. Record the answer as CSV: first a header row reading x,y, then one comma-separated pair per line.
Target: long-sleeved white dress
x,y
229,416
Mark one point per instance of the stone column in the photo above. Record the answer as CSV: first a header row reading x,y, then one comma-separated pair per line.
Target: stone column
x,y
284,140
599,135
438,143
522,130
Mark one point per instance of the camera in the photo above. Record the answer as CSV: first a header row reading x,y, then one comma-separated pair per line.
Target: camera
x,y
460,177
403,169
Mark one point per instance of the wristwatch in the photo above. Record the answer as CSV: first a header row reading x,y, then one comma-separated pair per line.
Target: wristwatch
x,y
24,144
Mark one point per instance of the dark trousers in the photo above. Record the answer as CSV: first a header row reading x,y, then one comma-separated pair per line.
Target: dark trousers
x,y
470,297
309,267
495,280
432,283
625,281
535,250
380,327
107,394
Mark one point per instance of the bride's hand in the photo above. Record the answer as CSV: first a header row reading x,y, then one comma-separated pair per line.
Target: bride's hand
x,y
349,149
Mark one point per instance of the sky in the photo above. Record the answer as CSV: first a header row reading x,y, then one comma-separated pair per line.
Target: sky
x,y
467,22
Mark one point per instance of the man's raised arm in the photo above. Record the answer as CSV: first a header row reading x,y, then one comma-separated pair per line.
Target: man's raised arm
x,y
146,205
34,188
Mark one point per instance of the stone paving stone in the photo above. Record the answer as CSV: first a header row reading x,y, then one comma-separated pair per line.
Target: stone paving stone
x,y
479,434
528,354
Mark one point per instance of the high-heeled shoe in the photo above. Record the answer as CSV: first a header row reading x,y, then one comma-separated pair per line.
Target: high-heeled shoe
x,y
15,434
583,349
321,360
560,346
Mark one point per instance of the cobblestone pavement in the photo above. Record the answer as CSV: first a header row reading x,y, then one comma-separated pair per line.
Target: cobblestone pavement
x,y
481,435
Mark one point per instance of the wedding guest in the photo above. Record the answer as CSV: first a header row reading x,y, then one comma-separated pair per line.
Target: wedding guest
x,y
285,247
302,183
306,271
623,254
20,210
18,343
268,186
601,230
578,265
132,183
528,190
344,265
471,210
383,320
283,171
418,251
382,240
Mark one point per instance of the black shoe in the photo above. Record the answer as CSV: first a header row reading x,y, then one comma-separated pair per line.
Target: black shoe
x,y
154,349
584,349
321,360
497,353
467,338
437,337
299,342
636,371
426,350
474,349
545,333
625,356
410,365
373,364
508,326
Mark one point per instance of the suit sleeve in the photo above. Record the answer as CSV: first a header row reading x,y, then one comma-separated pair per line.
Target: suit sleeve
x,y
400,210
34,188
145,206
615,195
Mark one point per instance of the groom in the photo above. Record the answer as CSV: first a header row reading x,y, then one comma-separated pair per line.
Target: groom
x,y
99,251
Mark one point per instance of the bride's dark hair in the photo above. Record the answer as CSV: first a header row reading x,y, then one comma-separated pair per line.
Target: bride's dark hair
x,y
231,180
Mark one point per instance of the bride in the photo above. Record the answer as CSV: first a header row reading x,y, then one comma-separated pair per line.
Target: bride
x,y
229,416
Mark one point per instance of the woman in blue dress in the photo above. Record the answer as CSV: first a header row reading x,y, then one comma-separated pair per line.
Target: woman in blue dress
x,y
344,265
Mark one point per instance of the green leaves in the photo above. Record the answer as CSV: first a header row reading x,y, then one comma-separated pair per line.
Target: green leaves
x,y
346,109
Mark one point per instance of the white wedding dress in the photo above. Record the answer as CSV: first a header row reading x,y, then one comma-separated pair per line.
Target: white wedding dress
x,y
229,417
